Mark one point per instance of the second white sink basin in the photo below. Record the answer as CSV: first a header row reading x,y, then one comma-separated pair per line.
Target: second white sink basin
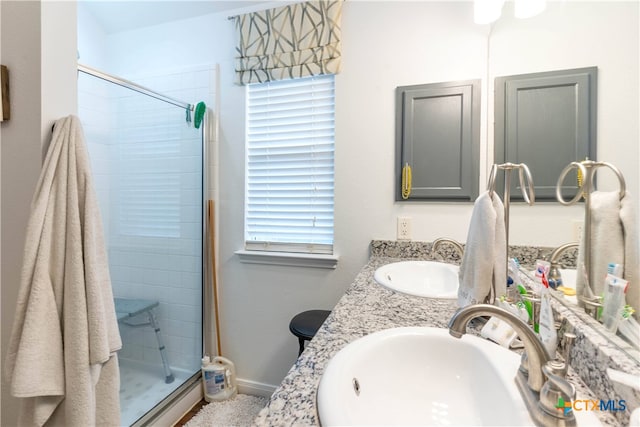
x,y
421,278
568,281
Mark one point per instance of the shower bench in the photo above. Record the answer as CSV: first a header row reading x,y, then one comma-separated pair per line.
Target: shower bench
x,y
127,309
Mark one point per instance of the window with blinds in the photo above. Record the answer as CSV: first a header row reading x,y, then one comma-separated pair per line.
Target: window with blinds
x,y
290,149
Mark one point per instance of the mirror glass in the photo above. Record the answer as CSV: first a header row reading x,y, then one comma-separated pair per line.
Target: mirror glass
x,y
616,339
573,34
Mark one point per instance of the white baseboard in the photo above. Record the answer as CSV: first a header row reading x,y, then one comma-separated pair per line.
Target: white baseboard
x,y
254,388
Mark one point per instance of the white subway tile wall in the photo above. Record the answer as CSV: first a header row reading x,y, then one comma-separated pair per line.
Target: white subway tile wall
x,y
147,164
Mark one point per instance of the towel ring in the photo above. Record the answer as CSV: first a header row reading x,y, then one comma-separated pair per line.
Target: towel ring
x,y
616,171
587,169
581,169
525,178
491,183
584,167
524,174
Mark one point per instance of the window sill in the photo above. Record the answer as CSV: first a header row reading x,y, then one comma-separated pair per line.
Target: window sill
x,y
288,258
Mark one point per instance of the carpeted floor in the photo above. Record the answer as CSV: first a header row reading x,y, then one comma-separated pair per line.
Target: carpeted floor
x,y
239,411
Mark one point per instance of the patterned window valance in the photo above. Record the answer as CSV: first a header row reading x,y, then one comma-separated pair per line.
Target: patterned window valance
x,y
298,40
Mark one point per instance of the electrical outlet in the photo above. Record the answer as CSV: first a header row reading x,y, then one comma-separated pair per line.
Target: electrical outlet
x,y
404,228
577,230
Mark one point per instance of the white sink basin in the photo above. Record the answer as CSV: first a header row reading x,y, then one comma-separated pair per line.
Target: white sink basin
x,y
568,277
421,278
568,281
421,376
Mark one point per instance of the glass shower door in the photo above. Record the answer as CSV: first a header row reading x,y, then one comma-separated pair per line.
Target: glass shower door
x,y
147,164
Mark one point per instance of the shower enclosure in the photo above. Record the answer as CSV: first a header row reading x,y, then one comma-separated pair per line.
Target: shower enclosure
x,y
147,163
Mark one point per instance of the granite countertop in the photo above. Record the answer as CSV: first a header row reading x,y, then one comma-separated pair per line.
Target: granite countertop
x,y
366,307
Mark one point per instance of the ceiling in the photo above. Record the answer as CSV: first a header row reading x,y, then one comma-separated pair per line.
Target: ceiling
x,y
122,15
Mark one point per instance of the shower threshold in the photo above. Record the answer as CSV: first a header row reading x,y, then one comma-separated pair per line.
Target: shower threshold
x,y
142,387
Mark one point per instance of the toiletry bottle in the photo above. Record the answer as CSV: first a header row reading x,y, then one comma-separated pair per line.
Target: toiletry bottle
x,y
512,291
546,327
219,378
615,269
540,274
213,379
613,304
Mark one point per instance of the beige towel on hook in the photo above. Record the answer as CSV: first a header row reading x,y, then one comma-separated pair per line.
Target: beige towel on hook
x,y
62,357
629,219
614,239
485,255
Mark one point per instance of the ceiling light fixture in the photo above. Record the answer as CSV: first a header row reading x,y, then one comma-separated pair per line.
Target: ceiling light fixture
x,y
529,8
488,11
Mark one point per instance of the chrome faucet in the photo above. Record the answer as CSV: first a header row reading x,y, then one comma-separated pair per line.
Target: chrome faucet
x,y
539,378
537,355
553,257
438,242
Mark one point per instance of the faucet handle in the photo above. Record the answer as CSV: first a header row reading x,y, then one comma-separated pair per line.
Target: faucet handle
x,y
568,340
553,369
556,390
524,364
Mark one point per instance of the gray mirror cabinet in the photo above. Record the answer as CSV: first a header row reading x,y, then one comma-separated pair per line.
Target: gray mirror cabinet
x,y
438,138
546,120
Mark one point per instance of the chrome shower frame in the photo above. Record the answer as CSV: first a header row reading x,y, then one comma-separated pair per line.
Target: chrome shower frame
x,y
209,134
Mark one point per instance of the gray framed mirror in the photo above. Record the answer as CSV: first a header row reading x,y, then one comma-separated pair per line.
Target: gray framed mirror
x,y
570,36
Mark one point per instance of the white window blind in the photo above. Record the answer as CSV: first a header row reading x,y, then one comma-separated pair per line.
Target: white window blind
x,y
290,150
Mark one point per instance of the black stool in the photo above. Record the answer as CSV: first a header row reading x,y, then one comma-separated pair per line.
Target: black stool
x,y
305,325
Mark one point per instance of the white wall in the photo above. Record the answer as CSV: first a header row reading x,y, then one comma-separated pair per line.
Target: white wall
x,y
92,40
38,47
20,158
257,302
421,42
385,45
574,35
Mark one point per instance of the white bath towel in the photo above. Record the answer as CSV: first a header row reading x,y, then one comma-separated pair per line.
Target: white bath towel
x,y
614,239
62,358
484,261
629,219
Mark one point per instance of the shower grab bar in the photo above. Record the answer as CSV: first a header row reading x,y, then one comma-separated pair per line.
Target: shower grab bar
x,y
588,170
133,86
528,194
